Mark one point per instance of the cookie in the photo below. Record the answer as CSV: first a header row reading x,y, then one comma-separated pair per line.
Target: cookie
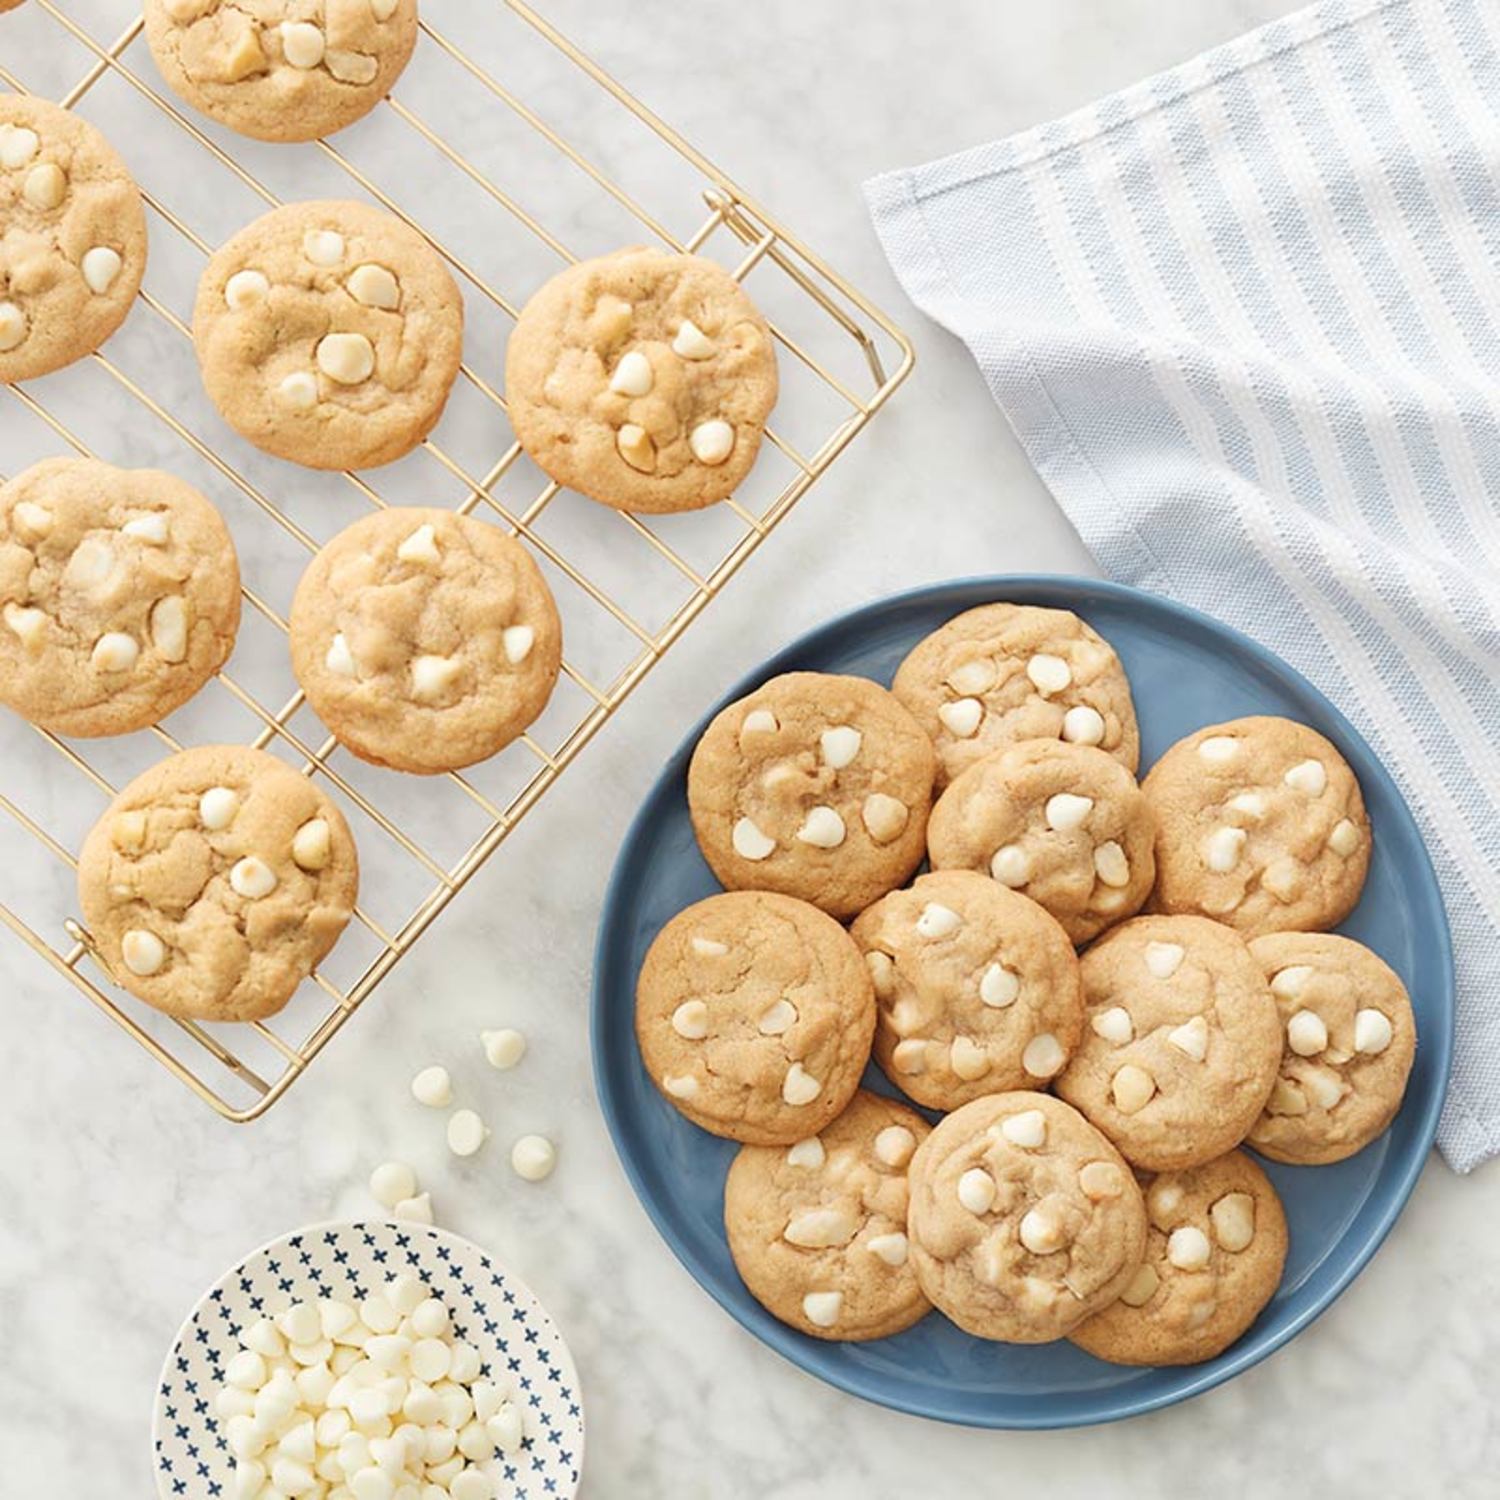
x,y
814,785
642,379
72,238
1064,824
1350,1038
9,4
282,70
1214,1256
1181,1042
754,1014
978,989
425,640
119,595
1024,1220
818,1229
329,334
1003,673
1260,825
215,883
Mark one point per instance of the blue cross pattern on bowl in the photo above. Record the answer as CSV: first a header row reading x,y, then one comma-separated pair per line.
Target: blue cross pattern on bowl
x,y
490,1307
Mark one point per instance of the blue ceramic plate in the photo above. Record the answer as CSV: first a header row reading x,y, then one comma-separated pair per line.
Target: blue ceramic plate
x,y
1186,670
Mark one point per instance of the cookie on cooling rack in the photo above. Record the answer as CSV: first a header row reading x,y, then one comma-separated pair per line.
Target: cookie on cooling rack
x,y
74,236
282,70
425,640
215,883
330,334
642,379
119,595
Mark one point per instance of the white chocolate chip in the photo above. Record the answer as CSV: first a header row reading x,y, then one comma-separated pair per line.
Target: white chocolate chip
x,y
1283,878
154,528
1100,1180
128,831
100,267
1306,1034
690,342
532,1158
821,1309
1223,847
808,1154
252,878
504,1048
884,817
823,828
1049,674
839,746
348,358
1163,1199
779,1019
1288,983
976,1190
683,1086
29,625
633,375
1083,726
115,651
312,845
1011,866
1344,839
18,145
1027,1129
894,1146
169,627
1114,1025
821,1228
46,186
938,921
973,677
12,326
421,546
374,286
433,1087
299,390
1141,1287
1326,1087
1286,1099
1191,1037
891,1248
1132,1088
217,808
1218,749
758,721
1188,1248
340,660
749,842
968,1059
799,1087
517,641
383,10
712,442
37,521
690,1020
1202,1312
466,1132
910,1056
1372,1032
1307,776
1040,1233
1043,1056
1067,811
246,289
999,987
1111,865
709,947
962,718
1252,804
1233,1220
144,953
303,45
351,67
432,676
636,448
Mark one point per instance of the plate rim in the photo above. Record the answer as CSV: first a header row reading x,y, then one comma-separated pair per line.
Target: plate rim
x,y
1014,587
322,1226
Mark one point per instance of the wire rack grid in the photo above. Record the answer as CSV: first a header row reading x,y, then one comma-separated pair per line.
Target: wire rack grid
x,y
847,356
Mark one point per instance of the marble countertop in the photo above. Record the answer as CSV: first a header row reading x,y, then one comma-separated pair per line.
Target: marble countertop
x,y
124,1196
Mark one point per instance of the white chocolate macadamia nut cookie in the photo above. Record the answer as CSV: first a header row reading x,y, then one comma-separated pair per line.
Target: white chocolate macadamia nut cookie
x,y
425,640
1260,825
1064,824
282,70
329,334
754,1014
642,379
119,595
978,989
1024,1220
1008,672
215,883
1180,1041
818,1229
72,238
1214,1256
1350,1039
815,785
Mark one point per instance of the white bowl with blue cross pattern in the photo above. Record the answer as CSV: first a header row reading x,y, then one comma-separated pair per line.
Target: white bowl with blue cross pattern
x,y
519,1347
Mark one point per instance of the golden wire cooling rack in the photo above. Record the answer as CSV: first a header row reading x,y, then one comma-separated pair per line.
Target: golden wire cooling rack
x,y
479,107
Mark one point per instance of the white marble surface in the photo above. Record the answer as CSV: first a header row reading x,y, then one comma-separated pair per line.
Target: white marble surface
x,y
123,1195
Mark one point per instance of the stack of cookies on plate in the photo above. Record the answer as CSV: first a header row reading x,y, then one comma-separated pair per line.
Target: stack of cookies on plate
x,y
1085,1179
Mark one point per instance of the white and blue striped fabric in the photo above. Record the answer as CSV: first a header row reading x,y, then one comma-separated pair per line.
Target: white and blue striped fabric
x,y
1245,318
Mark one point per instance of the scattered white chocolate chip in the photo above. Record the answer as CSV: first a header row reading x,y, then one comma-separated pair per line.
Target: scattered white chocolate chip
x,y
1114,1025
778,1019
962,718
1141,1287
312,845
1326,1087
348,358
1218,749
1011,866
1163,1198
169,627
246,289
690,1020
973,677
18,145
1307,776
100,267
252,878
1049,674
821,1309
503,1049
938,921
712,442
682,1086
690,341
12,326
1188,1248
820,1228
910,1056
1288,983
37,521
46,186
799,1087
1111,865
808,1154
154,528
1344,839
115,651
28,624
823,828
1286,1099
217,808
128,831
750,843
383,10
533,1157
432,676
633,375
1027,1129
1040,1233
1066,811
636,448
758,721
999,987
1132,1088
340,660
421,546
299,390
1306,1033
1083,725
1233,1220
884,817
1100,1180
144,953
976,1190
374,286
303,46
323,247
351,67
517,641
894,1145
1283,878
709,947
1251,804
1043,1056
1191,1038
891,1248
1372,1032
839,746
392,1181
1223,847
466,1132
968,1059
433,1087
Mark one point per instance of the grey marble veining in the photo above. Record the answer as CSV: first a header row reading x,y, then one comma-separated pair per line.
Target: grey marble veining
x,y
123,1196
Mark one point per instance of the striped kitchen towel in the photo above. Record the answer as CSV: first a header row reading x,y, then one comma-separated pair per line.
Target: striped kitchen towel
x,y
1245,319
